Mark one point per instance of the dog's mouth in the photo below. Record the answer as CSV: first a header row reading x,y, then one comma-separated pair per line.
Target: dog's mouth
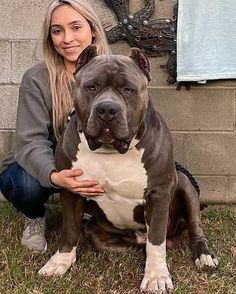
x,y
106,138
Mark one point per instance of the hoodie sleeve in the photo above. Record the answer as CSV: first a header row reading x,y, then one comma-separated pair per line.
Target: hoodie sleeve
x,y
34,149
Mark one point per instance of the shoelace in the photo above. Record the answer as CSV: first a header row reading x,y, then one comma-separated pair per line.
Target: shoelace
x,y
34,227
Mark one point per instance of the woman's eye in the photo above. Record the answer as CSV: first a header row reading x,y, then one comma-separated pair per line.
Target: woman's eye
x,y
56,31
76,28
92,88
128,91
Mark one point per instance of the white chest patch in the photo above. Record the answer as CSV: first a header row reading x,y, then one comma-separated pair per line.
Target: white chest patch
x,y
123,178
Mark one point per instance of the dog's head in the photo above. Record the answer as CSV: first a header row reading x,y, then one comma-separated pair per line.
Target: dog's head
x,y
110,96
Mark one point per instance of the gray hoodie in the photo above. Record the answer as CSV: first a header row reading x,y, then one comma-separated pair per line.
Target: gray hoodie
x,y
35,140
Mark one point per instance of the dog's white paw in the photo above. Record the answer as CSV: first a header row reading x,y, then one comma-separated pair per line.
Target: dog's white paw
x,y
157,277
206,261
59,263
154,283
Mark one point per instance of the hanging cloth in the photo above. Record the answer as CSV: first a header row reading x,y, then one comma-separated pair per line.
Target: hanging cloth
x,y
206,40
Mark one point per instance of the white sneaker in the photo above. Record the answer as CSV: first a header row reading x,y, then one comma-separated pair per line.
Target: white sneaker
x,y
34,234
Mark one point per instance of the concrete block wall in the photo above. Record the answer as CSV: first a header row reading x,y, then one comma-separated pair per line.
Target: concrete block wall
x,y
202,121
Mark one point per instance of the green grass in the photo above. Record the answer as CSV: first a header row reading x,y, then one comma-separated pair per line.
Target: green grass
x,y
98,273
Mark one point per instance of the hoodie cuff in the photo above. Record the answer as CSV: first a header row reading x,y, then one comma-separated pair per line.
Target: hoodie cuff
x,y
44,176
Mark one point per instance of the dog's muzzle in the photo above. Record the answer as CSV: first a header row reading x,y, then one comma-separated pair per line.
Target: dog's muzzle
x,y
106,111
108,125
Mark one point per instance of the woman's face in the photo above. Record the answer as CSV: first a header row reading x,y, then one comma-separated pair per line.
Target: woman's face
x,y
70,33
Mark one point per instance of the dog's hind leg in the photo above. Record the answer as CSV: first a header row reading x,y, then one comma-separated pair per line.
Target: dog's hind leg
x,y
189,200
110,241
72,210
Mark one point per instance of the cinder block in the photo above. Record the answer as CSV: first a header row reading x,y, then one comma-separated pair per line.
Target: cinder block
x,y
7,142
5,61
106,14
211,153
35,11
21,19
8,100
232,189
213,189
159,75
164,8
178,146
222,84
29,27
199,109
23,57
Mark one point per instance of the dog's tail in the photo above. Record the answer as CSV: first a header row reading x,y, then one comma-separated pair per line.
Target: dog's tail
x,y
191,178
183,170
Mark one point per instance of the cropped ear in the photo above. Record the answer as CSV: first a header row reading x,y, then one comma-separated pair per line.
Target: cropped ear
x,y
85,56
141,60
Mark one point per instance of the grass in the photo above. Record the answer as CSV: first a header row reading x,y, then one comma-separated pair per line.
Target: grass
x,y
97,273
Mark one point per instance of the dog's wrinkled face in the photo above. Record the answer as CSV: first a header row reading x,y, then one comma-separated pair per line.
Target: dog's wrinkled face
x,y
110,95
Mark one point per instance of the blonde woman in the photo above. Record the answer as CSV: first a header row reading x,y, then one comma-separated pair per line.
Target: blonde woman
x,y
28,174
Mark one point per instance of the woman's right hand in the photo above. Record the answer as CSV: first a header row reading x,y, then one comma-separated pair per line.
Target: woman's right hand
x,y
67,179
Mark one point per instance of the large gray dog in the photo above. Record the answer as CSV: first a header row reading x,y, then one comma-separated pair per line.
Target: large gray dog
x,y
117,137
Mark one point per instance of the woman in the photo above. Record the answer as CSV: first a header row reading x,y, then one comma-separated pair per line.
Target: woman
x,y
28,174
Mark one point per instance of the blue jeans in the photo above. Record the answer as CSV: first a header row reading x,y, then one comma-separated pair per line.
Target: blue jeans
x,y
24,191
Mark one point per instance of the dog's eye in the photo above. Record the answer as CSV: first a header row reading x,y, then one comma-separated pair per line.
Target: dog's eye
x,y
92,88
128,91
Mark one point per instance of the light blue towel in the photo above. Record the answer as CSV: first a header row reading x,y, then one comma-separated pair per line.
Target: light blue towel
x,y
206,40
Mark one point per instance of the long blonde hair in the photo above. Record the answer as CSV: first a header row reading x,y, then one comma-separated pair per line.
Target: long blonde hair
x,y
60,79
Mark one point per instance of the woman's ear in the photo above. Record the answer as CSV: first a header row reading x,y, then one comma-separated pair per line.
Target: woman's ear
x,y
93,39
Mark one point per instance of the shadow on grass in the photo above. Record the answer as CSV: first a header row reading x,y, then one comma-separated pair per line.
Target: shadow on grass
x,y
102,272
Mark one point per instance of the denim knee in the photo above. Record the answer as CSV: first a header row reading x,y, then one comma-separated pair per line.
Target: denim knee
x,y
24,191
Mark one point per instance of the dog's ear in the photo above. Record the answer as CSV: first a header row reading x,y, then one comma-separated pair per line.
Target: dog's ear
x,y
85,56
141,60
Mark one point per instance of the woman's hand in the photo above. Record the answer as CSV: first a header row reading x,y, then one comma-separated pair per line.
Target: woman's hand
x,y
67,179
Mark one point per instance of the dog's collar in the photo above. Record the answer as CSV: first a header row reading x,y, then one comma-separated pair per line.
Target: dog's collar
x,y
70,114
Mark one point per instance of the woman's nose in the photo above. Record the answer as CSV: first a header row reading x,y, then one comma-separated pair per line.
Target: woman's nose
x,y
68,36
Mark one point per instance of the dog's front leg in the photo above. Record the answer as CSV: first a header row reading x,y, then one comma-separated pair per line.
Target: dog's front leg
x,y
156,276
60,262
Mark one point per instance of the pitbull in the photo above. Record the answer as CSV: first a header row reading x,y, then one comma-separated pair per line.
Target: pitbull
x,y
117,137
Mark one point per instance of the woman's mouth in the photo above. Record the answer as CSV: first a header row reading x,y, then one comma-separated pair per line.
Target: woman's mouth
x,y
70,49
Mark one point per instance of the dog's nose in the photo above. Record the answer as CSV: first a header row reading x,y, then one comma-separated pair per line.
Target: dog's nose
x,y
107,110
